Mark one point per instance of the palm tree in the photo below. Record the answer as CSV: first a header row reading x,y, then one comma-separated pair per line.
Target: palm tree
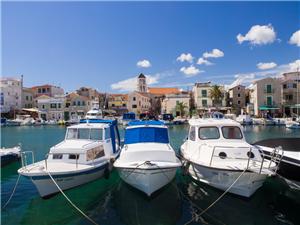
x,y
216,95
180,107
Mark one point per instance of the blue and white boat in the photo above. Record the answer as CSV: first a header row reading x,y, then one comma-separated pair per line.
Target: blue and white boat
x,y
128,117
9,155
86,154
147,160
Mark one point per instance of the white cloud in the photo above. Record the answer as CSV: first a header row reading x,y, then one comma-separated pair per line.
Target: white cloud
x,y
190,71
204,62
295,38
143,63
294,66
130,84
185,57
258,35
215,53
266,66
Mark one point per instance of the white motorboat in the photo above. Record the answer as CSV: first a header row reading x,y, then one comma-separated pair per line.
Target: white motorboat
x,y
86,154
288,149
258,121
244,119
24,120
9,155
292,125
147,160
216,153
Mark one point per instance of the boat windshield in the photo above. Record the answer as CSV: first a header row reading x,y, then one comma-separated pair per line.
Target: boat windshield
x,y
146,134
206,133
84,133
232,132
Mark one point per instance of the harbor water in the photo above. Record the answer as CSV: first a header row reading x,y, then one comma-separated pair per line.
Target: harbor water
x,y
111,201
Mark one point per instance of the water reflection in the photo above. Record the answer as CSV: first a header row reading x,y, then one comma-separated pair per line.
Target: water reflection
x,y
134,207
262,208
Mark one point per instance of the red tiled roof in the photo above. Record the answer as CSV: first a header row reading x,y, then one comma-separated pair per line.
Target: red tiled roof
x,y
163,91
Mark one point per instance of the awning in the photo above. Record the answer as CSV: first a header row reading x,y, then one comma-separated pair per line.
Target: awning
x,y
267,108
35,110
296,106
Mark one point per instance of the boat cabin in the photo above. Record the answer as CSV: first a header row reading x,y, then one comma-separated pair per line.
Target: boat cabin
x,y
88,141
210,140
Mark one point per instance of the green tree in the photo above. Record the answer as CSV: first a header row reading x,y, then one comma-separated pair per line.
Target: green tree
x,y
216,95
180,107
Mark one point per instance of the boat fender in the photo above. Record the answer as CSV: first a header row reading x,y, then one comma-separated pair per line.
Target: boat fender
x,y
112,160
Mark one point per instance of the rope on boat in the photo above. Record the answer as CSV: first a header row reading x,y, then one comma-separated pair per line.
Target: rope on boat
x,y
220,197
13,192
79,210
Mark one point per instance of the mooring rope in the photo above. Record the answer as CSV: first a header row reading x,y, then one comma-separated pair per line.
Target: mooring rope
x,y
220,197
79,210
13,192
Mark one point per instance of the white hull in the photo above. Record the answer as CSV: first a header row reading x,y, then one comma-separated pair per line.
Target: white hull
x,y
247,184
46,187
147,180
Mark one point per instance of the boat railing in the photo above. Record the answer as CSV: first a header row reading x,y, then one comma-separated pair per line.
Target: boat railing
x,y
24,158
249,158
276,156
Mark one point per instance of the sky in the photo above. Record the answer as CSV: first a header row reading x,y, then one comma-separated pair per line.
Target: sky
x,y
105,45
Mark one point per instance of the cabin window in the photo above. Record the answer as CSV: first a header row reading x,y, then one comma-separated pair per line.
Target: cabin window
x,y
232,133
192,134
72,134
83,133
206,133
95,153
73,156
57,156
107,133
96,134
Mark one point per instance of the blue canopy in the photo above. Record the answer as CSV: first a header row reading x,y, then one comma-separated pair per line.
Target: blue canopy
x,y
129,116
145,122
146,134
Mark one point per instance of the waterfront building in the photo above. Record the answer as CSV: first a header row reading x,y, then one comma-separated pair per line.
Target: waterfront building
x,y
47,89
265,96
118,103
51,108
27,98
176,103
290,87
236,98
88,92
203,100
139,102
157,95
11,94
76,106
